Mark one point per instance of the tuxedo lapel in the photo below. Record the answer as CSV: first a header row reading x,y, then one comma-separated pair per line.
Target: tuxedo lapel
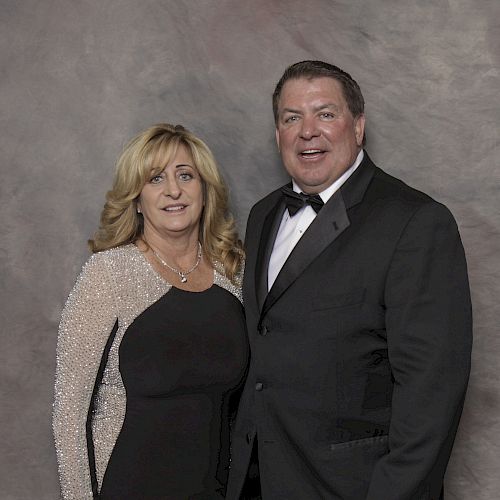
x,y
329,224
268,235
331,221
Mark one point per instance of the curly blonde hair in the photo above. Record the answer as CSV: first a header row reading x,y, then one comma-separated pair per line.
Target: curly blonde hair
x,y
145,156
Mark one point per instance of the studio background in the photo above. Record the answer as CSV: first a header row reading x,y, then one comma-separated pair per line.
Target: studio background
x,y
79,78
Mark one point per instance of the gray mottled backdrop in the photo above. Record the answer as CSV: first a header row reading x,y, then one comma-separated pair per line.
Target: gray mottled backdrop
x,y
80,77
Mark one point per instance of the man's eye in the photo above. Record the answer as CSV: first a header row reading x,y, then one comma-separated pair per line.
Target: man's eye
x,y
328,115
292,118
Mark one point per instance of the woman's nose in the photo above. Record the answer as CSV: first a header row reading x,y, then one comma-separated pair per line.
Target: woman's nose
x,y
171,188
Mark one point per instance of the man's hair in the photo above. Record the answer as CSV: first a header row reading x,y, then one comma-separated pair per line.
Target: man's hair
x,y
315,69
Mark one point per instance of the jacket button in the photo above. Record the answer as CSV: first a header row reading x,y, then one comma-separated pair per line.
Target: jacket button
x,y
248,437
263,330
259,386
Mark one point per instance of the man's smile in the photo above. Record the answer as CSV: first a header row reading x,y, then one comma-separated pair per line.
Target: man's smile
x,y
311,154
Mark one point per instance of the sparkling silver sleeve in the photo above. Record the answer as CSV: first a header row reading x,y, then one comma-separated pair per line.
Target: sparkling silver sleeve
x,y
87,320
221,280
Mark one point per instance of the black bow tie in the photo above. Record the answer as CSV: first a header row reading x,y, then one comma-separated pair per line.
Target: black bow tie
x,y
295,201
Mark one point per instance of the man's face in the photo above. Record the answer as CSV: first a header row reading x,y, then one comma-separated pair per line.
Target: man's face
x,y
316,133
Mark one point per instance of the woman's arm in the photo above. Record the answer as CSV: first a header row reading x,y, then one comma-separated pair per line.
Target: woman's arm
x,y
87,320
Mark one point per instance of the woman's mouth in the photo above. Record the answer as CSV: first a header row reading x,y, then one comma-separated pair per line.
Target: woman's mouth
x,y
174,208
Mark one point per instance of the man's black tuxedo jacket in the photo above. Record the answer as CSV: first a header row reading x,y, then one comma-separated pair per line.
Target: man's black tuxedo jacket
x,y
360,351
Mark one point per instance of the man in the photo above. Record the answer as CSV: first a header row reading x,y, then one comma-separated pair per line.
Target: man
x,y
358,314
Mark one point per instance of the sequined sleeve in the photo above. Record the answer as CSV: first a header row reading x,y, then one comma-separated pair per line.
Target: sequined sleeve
x,y
87,320
234,286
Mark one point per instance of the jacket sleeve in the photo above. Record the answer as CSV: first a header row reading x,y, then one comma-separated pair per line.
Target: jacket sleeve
x,y
86,322
429,335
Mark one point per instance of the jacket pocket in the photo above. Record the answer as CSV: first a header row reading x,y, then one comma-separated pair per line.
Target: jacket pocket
x,y
377,441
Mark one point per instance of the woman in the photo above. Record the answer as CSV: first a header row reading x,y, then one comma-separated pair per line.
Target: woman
x,y
152,345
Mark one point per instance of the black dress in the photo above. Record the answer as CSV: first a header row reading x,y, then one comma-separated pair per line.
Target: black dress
x,y
182,362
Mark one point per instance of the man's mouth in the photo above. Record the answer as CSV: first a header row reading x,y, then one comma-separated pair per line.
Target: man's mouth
x,y
311,153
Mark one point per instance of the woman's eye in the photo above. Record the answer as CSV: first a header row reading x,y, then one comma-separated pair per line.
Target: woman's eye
x,y
185,176
156,179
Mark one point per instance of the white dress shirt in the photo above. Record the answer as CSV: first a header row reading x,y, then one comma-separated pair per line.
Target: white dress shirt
x,y
292,228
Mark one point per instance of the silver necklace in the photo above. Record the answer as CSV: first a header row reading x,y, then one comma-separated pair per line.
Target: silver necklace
x,y
182,274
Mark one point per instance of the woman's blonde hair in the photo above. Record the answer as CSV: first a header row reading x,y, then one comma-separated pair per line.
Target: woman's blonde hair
x,y
147,155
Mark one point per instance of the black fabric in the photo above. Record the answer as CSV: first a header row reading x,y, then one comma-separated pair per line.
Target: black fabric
x,y
181,362
251,488
369,311
90,440
295,201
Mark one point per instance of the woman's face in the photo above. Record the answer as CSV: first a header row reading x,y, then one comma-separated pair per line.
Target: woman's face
x,y
172,201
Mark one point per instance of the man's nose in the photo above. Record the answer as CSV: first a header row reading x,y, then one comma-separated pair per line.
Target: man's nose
x,y
309,128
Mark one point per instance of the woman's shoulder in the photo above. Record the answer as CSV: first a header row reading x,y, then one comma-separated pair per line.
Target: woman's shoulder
x,y
112,261
115,254
233,286
115,257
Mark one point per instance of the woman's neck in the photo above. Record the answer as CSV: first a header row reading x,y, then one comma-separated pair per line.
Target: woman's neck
x,y
180,249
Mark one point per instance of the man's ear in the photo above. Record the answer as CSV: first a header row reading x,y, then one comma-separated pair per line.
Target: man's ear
x,y
277,134
359,129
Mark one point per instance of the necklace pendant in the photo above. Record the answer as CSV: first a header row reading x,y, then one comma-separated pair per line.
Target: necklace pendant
x,y
182,274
